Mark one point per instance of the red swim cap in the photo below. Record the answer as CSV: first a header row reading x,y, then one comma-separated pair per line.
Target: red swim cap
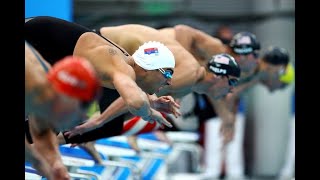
x,y
75,77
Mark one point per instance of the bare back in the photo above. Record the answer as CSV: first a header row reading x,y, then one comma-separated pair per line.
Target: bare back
x,y
200,44
169,31
105,58
37,89
131,36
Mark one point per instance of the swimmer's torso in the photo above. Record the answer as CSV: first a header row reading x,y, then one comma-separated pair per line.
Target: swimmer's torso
x,y
131,36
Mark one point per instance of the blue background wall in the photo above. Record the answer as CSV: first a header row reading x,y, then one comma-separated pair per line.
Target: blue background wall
x,y
57,8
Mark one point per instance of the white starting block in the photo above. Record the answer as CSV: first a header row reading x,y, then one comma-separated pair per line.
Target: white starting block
x,y
151,163
80,162
183,136
32,174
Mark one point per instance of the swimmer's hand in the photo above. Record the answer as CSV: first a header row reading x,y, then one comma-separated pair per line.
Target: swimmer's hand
x,y
85,127
156,116
167,105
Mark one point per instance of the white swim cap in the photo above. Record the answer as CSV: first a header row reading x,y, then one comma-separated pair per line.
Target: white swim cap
x,y
154,55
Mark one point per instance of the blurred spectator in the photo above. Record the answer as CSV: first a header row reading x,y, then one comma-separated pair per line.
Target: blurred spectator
x,y
288,169
224,33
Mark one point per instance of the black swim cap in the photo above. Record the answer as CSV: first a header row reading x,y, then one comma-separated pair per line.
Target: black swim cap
x,y
224,64
276,55
244,43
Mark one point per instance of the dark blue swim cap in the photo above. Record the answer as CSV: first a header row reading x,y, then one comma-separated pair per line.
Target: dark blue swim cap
x,y
244,43
276,55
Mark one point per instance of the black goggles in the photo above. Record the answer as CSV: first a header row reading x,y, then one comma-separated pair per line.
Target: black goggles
x,y
246,51
255,54
166,73
232,81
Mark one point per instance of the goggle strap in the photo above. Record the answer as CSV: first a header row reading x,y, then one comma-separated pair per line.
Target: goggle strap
x,y
165,73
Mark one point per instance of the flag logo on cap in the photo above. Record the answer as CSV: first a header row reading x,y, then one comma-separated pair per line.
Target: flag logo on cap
x,y
151,51
222,60
244,40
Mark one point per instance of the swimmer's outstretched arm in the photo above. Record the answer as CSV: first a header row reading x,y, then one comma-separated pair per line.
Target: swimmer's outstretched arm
x,y
204,44
118,107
